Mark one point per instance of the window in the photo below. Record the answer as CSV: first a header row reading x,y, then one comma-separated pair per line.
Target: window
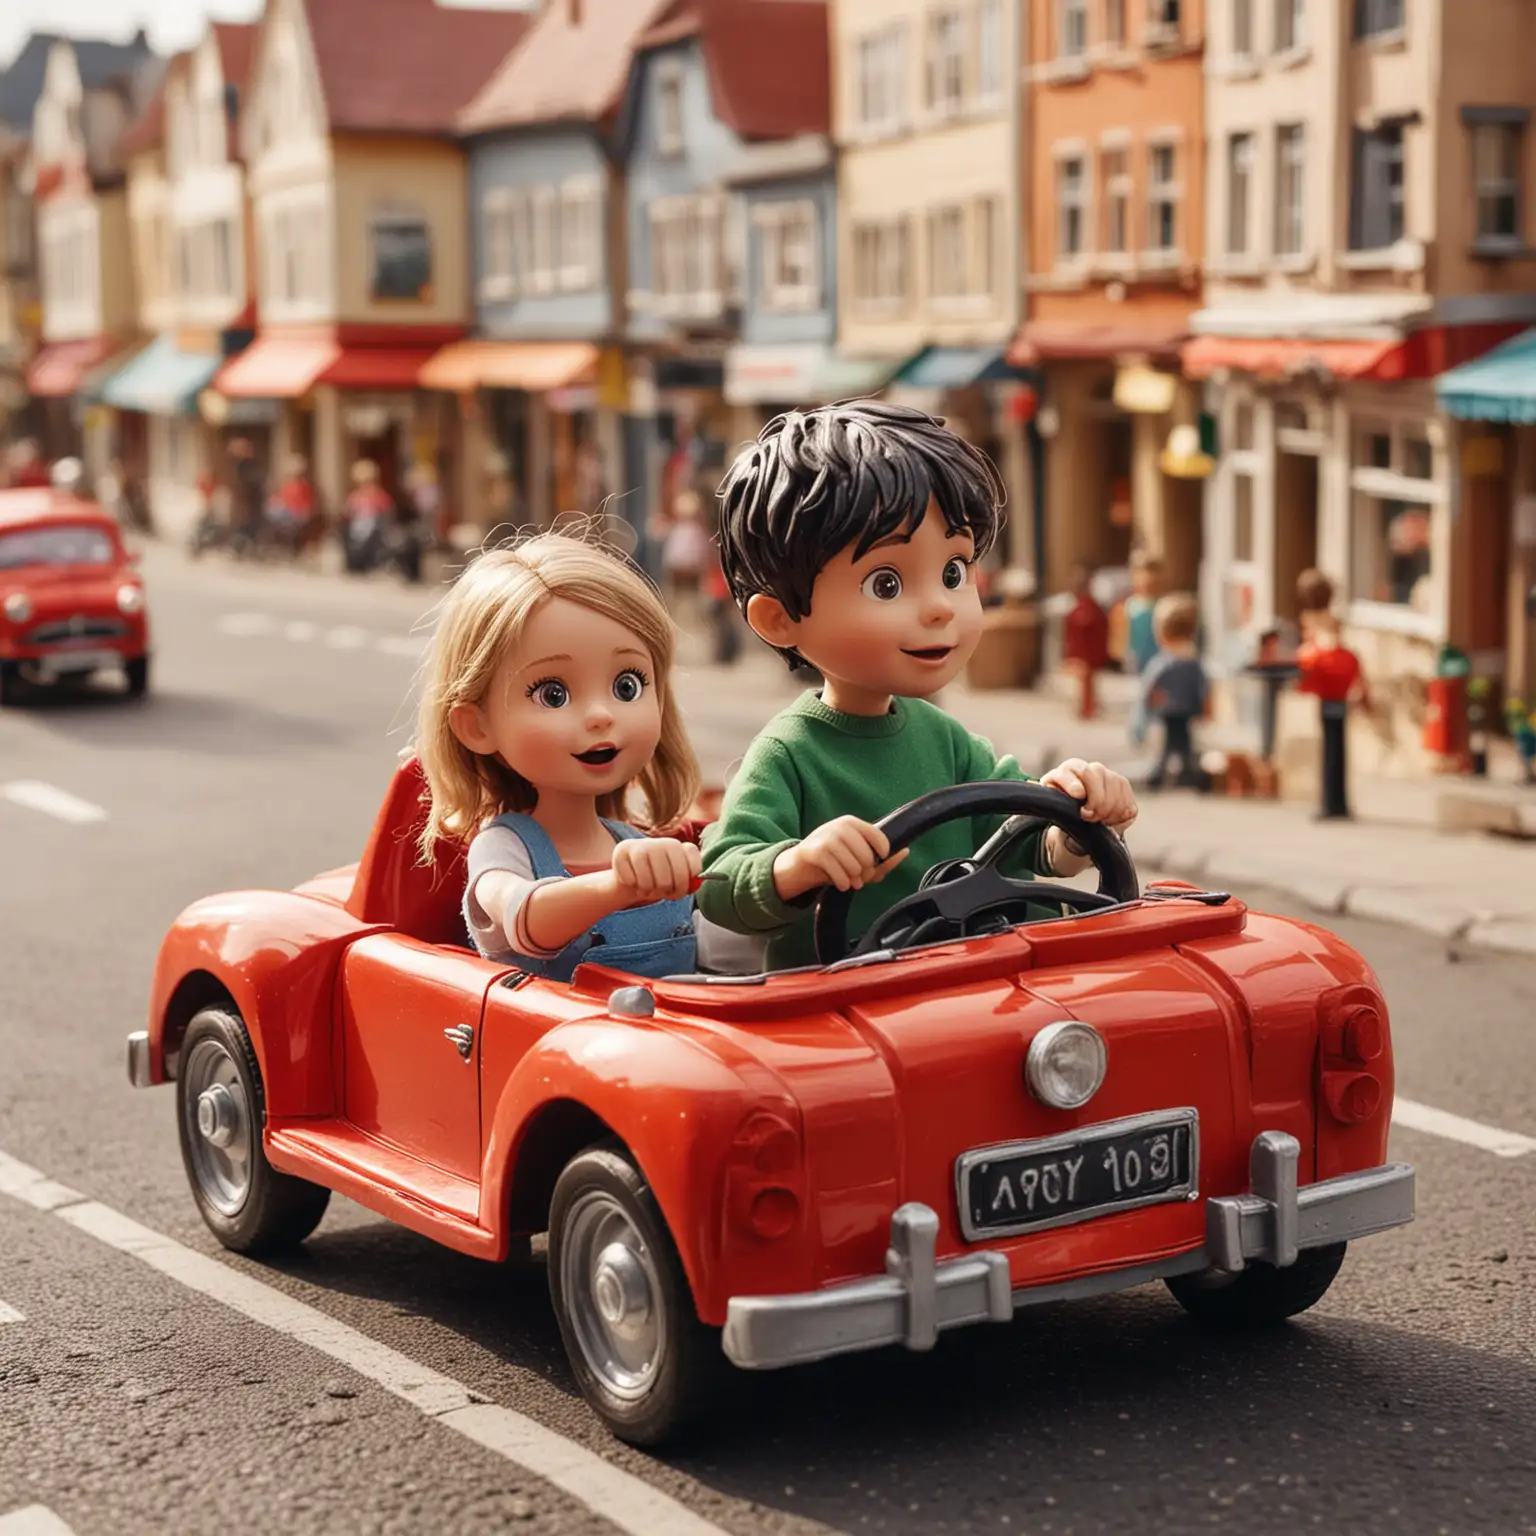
x,y
1240,154
541,256
1071,29
1117,202
945,73
401,248
685,252
1162,199
880,264
1290,189
1242,28
1496,154
989,50
988,262
1376,204
669,107
790,272
1163,21
580,234
1378,18
223,260
947,275
499,257
882,65
1114,23
1290,25
1396,491
1071,208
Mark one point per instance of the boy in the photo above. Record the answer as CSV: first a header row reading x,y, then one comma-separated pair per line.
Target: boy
x,y
1174,687
1140,630
849,536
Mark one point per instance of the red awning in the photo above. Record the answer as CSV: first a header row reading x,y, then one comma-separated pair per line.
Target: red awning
x,y
1040,340
60,368
392,368
1282,357
276,368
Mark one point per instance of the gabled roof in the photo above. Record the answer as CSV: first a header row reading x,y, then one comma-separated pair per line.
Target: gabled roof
x,y
147,131
572,67
99,63
405,66
237,46
768,61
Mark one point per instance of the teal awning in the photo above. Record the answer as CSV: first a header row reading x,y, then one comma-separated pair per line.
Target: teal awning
x,y
1500,386
954,368
162,380
844,378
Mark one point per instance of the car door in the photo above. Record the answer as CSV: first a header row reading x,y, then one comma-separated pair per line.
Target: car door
x,y
410,1043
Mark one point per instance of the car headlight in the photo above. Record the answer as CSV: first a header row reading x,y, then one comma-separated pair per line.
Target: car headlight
x,y
1066,1063
18,607
130,598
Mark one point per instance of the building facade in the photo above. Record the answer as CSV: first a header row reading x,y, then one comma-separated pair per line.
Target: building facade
x,y
1114,121
1367,231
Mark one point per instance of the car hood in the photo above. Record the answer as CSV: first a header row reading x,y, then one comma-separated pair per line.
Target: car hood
x,y
59,591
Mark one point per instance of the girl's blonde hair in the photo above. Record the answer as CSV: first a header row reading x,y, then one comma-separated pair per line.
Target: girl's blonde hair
x,y
482,618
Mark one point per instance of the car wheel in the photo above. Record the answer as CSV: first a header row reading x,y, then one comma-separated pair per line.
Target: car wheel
x,y
221,1109
643,1359
136,670
10,683
1261,1295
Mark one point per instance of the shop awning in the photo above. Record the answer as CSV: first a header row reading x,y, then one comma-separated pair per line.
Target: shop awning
x,y
1280,357
1040,340
276,368
386,368
846,378
161,380
1498,387
466,366
953,368
60,368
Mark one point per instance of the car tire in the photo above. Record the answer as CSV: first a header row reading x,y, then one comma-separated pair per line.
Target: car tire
x,y
647,1393
1261,1296
136,671
10,684
247,1204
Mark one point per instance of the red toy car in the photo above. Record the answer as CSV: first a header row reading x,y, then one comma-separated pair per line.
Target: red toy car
x,y
964,1113
71,601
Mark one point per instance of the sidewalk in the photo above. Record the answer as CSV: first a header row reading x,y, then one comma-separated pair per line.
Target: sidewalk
x,y
1390,864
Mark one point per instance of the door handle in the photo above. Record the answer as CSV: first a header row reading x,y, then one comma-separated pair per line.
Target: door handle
x,y
463,1036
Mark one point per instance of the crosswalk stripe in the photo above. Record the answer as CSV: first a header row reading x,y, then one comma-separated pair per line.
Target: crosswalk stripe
x,y
51,801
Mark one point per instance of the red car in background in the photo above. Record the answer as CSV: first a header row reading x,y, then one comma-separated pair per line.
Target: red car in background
x,y
71,598
965,1111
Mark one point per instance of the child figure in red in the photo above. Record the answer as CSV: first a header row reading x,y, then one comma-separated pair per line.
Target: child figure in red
x,y
1086,640
1333,674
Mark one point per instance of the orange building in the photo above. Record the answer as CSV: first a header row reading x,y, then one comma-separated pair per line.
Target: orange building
x,y
1115,223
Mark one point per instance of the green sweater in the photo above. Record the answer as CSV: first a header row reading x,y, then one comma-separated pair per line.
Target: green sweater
x,y
812,764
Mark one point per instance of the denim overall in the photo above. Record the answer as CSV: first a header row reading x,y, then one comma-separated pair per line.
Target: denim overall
x,y
654,940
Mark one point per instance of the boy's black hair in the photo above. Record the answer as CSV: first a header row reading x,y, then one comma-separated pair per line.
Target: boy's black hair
x,y
817,481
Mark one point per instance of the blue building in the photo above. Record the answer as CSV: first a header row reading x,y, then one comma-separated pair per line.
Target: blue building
x,y
729,195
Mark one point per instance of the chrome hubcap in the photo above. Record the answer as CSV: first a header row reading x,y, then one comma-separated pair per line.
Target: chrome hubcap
x,y
220,1137
609,1282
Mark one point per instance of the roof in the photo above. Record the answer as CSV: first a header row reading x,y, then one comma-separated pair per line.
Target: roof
x,y
768,61
43,504
99,63
405,66
147,131
237,45
567,70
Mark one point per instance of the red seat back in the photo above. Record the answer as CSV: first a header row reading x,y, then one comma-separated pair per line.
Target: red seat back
x,y
393,886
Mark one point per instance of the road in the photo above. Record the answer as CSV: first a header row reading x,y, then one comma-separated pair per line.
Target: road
x,y
378,1383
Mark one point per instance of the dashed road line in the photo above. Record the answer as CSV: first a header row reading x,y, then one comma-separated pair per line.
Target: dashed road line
x,y
624,1500
347,638
245,624
34,1520
51,801
10,1314
300,629
1439,1122
339,637
402,645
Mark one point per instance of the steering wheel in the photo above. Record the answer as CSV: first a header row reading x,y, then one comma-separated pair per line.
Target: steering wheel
x,y
963,898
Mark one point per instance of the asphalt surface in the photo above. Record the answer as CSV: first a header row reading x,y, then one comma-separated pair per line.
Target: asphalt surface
x,y
1406,1401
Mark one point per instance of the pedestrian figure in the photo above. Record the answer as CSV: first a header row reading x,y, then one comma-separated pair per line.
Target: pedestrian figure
x,y
1332,672
685,554
249,490
1139,640
1086,640
1175,690
291,510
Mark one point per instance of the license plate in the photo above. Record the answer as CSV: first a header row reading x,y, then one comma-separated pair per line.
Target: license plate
x,y
1027,1186
77,661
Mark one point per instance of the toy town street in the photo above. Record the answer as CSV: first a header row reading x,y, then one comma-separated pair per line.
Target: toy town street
x,y
376,1381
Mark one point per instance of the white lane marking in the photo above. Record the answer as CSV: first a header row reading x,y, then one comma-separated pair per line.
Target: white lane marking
x,y
51,801
401,645
619,1497
1439,1122
346,638
10,1314
34,1520
245,624
300,629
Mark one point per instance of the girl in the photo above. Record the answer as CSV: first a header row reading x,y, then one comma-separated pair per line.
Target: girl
x,y
547,696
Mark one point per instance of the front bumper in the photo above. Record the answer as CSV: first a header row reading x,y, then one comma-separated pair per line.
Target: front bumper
x,y
918,1297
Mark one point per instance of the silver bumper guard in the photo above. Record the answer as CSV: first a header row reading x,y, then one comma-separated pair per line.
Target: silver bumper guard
x,y
138,1059
918,1297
